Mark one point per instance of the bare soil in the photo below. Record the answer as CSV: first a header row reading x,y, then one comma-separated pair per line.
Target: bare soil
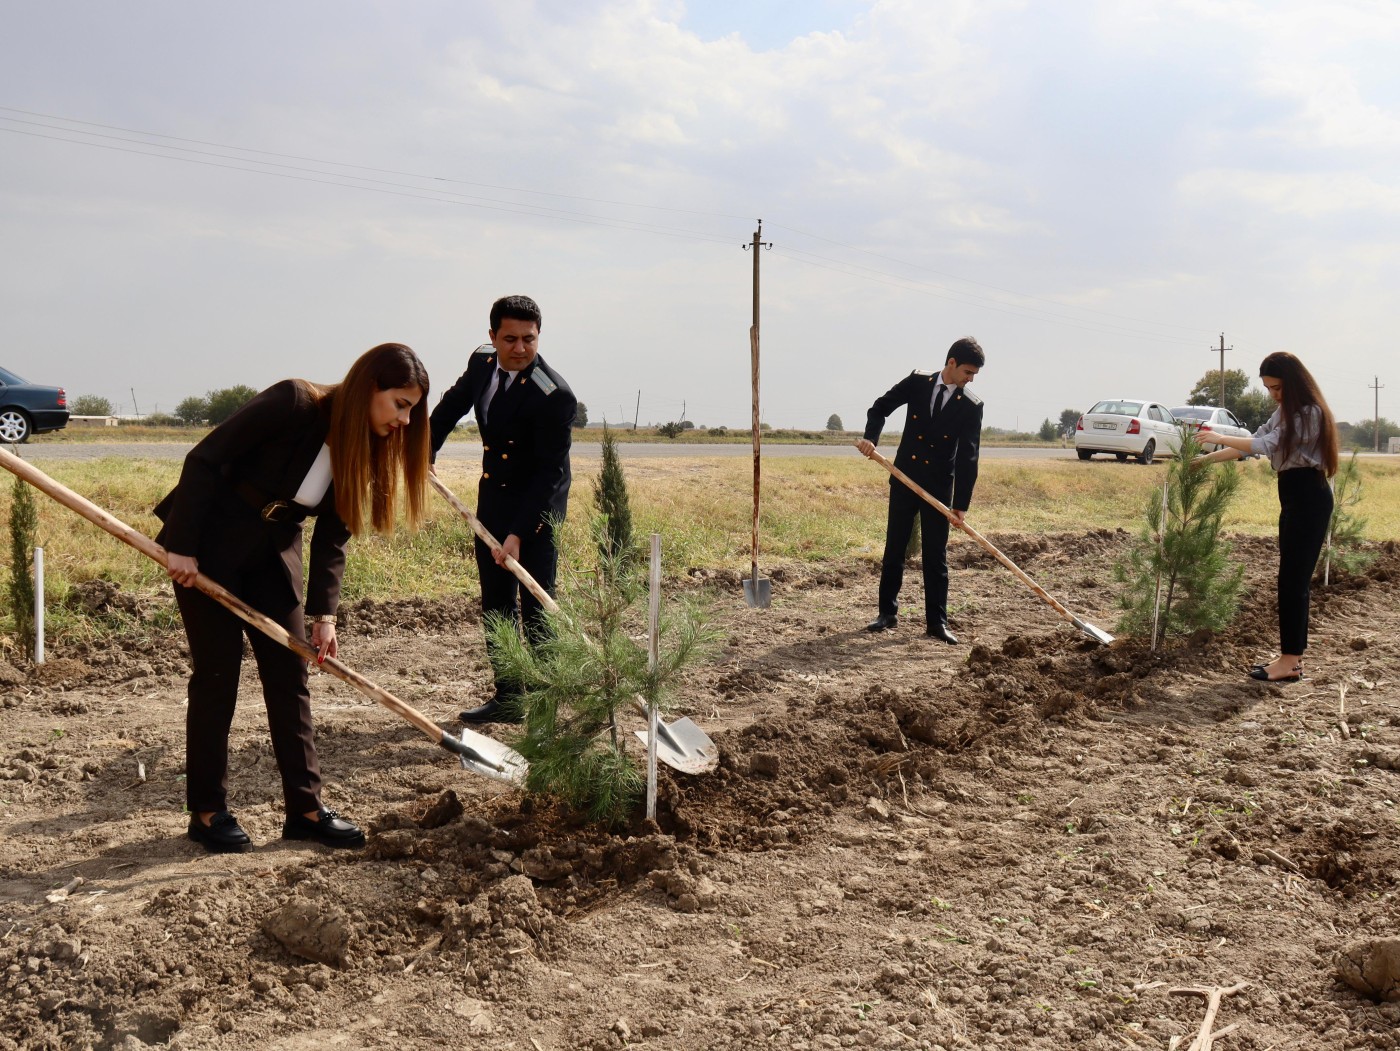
x,y
1026,841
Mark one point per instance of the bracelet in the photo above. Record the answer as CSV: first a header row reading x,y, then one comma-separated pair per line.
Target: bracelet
x,y
323,618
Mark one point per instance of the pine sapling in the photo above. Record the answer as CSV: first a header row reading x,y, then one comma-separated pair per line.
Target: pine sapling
x,y
24,526
616,543
1345,533
1184,550
576,683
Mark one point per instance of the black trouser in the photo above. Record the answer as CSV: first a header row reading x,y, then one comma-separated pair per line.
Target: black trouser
x,y
1305,510
502,594
904,505
216,653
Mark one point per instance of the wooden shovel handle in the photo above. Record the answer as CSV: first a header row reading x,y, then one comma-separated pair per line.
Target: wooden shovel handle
x,y
224,597
943,509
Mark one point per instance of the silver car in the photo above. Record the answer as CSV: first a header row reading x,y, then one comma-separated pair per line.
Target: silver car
x,y
1127,427
1212,418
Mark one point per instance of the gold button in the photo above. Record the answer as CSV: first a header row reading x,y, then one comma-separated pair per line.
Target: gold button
x,y
921,437
486,474
486,448
913,416
505,456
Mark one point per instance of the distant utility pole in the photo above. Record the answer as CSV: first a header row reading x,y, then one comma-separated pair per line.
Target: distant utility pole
x,y
1221,351
135,411
638,414
1377,386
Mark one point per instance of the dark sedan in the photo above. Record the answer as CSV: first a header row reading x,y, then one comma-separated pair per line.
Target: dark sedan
x,y
27,408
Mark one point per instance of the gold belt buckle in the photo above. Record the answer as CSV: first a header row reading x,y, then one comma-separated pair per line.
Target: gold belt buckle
x,y
273,511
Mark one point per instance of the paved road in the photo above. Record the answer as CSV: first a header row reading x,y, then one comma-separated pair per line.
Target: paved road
x,y
39,450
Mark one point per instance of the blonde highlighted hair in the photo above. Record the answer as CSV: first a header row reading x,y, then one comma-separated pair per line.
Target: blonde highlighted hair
x,y
366,467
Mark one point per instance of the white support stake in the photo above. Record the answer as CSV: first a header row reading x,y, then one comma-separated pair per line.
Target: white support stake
x,y
38,605
653,659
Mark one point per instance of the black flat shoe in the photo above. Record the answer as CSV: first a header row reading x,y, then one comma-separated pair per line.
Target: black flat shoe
x,y
941,632
496,710
331,830
1260,672
223,834
884,622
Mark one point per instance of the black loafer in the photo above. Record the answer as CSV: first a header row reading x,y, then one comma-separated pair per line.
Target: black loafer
x,y
496,710
941,632
331,830
223,834
1261,673
884,622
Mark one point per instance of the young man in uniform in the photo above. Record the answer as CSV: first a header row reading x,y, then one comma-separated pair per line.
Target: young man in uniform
x,y
938,450
525,412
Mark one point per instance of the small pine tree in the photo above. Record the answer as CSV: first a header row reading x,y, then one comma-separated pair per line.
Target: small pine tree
x,y
1345,531
1047,432
1183,554
24,525
617,548
575,683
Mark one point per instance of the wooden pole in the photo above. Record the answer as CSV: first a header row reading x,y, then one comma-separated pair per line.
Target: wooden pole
x,y
653,659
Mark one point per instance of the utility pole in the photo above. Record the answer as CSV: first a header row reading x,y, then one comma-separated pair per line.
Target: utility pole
x,y
757,590
1377,386
1221,351
638,414
134,409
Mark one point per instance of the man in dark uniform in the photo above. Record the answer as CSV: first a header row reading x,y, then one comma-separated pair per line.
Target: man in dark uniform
x,y
938,450
525,412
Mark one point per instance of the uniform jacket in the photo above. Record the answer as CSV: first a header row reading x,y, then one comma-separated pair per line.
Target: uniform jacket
x,y
933,452
525,442
267,446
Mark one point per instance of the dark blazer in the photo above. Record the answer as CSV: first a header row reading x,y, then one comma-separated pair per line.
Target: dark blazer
x,y
525,442
933,452
265,448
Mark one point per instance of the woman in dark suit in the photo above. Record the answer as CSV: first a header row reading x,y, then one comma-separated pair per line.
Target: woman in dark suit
x,y
295,451
1300,440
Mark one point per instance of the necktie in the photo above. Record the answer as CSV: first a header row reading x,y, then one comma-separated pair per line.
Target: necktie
x,y
502,382
938,399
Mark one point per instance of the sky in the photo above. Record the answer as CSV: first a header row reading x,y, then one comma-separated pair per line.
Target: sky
x,y
194,196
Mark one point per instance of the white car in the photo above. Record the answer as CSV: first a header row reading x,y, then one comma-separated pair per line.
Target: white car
x,y
1127,427
1212,418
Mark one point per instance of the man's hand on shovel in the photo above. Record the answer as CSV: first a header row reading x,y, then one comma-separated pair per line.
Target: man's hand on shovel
x,y
867,449
510,548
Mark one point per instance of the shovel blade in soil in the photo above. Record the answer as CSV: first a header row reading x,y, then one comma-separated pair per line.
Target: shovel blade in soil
x,y
1097,634
758,592
481,755
683,746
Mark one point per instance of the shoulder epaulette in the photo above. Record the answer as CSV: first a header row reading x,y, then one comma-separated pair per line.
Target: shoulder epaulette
x,y
921,372
542,381
485,348
971,397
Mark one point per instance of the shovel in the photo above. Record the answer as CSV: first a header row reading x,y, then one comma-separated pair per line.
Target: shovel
x,y
758,591
1097,634
681,745
477,752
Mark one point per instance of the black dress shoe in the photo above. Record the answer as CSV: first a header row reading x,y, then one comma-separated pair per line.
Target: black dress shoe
x,y
332,830
222,835
497,710
1261,672
884,622
940,631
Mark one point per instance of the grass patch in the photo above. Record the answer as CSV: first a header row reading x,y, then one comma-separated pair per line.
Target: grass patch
x,y
814,510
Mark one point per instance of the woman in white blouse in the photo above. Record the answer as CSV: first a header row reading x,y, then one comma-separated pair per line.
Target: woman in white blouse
x,y
1300,440
297,450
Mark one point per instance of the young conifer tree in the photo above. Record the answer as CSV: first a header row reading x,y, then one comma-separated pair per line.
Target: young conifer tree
x,y
1181,558
577,683
616,545
1345,531
24,525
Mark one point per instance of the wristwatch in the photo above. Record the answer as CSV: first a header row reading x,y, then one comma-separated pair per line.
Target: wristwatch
x,y
323,618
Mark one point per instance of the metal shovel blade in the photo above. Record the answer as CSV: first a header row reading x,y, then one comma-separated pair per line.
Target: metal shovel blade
x,y
683,746
1097,634
758,591
481,755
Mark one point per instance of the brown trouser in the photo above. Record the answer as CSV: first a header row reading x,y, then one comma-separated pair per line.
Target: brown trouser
x,y
216,653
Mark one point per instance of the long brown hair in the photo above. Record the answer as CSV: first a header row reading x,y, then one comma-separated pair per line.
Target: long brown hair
x,y
366,467
1301,390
